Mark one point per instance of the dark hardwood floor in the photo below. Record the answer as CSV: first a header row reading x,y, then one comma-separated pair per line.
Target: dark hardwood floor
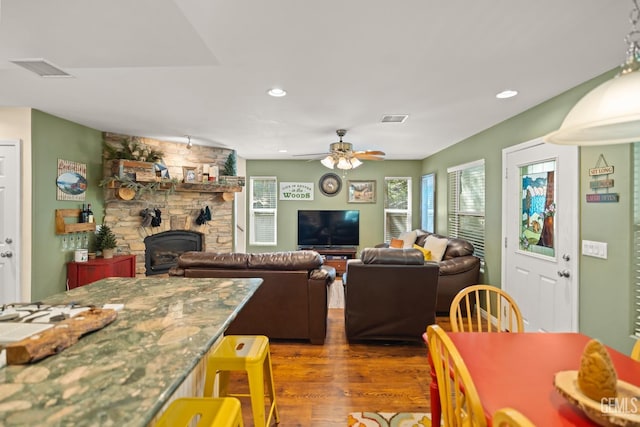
x,y
319,385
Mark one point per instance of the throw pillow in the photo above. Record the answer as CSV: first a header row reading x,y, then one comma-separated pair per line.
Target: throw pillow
x,y
409,238
437,247
396,243
425,252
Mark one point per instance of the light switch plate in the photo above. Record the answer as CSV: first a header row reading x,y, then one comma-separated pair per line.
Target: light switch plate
x,y
594,249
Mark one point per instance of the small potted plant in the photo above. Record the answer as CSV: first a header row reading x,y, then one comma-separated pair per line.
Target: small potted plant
x,y
106,241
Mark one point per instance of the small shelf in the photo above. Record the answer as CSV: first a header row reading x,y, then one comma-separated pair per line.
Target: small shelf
x,y
63,227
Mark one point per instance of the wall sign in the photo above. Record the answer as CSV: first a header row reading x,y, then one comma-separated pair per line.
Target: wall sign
x,y
601,181
300,191
71,180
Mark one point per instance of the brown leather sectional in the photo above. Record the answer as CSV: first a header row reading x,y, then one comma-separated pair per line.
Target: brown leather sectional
x,y
390,295
292,301
459,268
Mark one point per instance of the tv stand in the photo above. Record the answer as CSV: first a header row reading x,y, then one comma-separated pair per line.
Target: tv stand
x,y
334,256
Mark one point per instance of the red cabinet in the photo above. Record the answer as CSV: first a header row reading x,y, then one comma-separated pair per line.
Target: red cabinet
x,y
83,273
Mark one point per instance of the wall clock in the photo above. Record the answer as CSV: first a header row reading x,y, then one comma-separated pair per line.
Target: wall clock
x,y
330,184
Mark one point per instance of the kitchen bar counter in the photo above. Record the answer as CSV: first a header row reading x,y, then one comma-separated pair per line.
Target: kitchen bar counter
x,y
123,374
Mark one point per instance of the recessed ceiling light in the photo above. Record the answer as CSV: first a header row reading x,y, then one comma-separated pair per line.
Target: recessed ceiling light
x,y
277,92
283,150
507,94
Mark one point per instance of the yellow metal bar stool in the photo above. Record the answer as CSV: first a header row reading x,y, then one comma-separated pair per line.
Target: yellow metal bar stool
x,y
250,354
209,412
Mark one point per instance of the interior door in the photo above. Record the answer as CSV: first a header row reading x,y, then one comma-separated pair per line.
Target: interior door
x,y
540,233
9,221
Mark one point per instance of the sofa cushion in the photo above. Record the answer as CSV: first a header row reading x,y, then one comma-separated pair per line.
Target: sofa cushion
x,y
195,259
437,246
291,260
426,253
392,256
409,238
396,243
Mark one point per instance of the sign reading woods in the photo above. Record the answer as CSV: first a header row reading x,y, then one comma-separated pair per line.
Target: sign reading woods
x,y
296,191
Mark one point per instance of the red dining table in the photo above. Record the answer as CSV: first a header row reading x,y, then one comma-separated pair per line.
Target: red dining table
x,y
517,370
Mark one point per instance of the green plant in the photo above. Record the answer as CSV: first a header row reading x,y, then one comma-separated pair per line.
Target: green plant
x,y
105,239
141,188
132,149
230,165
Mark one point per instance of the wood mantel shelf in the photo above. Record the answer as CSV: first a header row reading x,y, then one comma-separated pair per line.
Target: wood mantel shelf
x,y
205,187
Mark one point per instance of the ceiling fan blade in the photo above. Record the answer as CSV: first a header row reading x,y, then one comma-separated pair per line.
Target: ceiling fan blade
x,y
367,156
374,152
311,154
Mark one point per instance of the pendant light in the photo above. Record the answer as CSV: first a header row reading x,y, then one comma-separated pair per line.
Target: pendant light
x,y
610,113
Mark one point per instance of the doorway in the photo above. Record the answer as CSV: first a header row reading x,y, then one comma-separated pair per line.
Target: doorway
x,y
10,226
540,227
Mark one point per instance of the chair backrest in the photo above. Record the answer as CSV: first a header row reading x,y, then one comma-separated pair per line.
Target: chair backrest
x,y
635,351
459,398
465,315
509,417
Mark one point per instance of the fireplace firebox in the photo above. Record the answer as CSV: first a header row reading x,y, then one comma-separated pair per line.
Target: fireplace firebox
x,y
163,249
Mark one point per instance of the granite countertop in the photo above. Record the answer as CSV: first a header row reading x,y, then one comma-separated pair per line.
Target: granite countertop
x,y
123,374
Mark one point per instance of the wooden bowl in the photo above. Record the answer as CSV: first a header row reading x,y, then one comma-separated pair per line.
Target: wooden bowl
x,y
624,410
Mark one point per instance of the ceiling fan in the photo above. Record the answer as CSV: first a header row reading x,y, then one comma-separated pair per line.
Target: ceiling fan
x,y
342,156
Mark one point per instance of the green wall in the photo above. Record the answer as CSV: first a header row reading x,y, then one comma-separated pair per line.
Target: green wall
x,y
54,138
605,285
371,214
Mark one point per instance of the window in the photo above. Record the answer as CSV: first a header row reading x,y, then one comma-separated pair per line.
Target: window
x,y
263,211
466,204
427,202
397,206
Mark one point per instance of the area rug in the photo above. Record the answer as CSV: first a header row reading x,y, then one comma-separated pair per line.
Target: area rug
x,y
389,419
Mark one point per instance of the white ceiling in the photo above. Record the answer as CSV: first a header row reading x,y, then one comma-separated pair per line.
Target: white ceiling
x,y
170,68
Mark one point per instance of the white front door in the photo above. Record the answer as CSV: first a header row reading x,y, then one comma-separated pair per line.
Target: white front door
x,y
540,197
10,183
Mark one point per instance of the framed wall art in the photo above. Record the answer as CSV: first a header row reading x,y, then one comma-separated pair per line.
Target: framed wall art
x,y
71,180
189,174
361,191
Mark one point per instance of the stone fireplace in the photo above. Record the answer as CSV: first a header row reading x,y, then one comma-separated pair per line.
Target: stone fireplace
x,y
179,210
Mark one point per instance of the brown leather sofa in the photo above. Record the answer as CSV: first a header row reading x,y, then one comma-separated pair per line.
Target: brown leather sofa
x,y
291,303
390,295
459,268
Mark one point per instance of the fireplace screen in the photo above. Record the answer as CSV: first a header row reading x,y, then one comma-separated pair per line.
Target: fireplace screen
x,y
163,249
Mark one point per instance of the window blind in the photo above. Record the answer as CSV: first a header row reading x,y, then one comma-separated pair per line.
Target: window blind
x,y
397,206
636,237
263,211
466,200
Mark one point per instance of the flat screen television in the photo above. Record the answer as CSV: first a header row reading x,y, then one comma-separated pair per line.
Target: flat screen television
x,y
325,228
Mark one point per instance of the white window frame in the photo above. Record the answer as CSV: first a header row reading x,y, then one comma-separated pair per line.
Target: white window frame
x,y
387,211
455,212
253,211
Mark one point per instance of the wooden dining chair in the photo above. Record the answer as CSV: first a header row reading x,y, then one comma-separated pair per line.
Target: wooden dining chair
x,y
465,315
635,351
509,417
459,400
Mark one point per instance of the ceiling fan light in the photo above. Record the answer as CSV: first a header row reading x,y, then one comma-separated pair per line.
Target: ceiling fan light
x,y
343,163
328,162
355,162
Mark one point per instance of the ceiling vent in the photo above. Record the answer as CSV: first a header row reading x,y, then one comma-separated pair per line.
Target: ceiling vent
x,y
41,67
394,118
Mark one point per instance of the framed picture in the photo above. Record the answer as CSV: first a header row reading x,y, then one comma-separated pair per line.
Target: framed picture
x,y
189,174
71,181
361,191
